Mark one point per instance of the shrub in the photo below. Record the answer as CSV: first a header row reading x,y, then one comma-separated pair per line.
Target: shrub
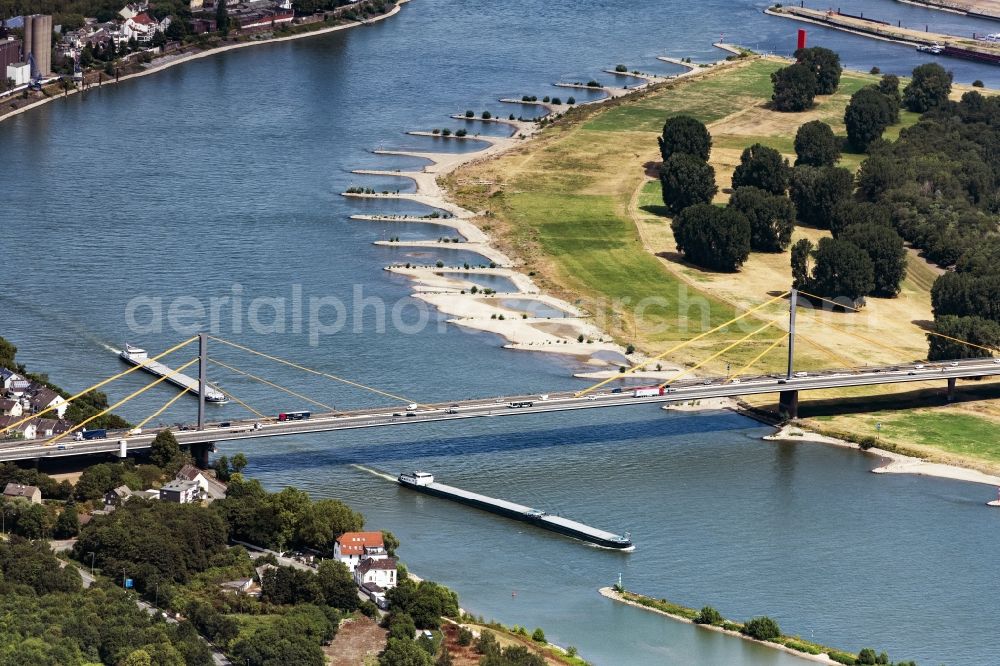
x,y
621,68
571,100
709,615
461,132
977,83
538,635
556,100
446,132
866,657
470,113
630,349
545,99
842,657
875,71
440,264
594,84
487,115
464,636
762,628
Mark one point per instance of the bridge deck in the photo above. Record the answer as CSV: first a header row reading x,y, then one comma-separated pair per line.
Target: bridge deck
x,y
485,408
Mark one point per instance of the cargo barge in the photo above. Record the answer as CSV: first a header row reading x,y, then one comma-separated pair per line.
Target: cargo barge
x,y
136,356
424,482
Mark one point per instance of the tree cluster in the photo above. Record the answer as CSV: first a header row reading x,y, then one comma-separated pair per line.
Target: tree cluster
x,y
816,72
50,620
153,542
938,184
286,519
686,177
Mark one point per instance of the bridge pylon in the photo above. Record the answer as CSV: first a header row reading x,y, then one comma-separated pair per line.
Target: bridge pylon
x,y
793,301
202,377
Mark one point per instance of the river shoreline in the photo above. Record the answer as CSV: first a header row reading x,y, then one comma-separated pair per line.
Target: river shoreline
x,y
169,61
611,593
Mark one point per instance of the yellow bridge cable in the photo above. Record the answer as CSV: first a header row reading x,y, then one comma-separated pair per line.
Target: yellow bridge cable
x,y
311,371
100,384
289,391
161,409
759,356
992,350
244,405
681,345
716,355
122,401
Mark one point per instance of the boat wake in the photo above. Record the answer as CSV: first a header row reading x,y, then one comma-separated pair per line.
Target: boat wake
x,y
387,477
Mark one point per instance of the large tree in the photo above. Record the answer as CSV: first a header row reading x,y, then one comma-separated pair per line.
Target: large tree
x,y
886,250
686,180
842,270
164,450
929,87
794,88
888,85
825,64
817,190
684,134
712,237
771,217
866,117
816,145
801,263
762,167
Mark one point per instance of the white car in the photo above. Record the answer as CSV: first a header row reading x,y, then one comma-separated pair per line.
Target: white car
x,y
135,431
918,367
801,374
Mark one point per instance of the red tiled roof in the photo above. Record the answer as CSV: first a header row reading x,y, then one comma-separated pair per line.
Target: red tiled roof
x,y
143,19
387,564
354,543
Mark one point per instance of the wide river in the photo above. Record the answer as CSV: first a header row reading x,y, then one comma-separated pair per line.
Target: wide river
x,y
222,176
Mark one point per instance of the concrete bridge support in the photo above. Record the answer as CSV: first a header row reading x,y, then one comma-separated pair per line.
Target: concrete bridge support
x,y
951,388
200,453
788,405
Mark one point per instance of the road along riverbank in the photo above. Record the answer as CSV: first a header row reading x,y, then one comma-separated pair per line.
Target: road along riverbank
x,y
172,60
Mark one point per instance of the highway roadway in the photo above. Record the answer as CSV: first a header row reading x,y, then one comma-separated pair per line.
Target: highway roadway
x,y
681,391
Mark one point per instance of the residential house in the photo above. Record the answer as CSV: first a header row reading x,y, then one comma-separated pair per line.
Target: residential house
x,y
352,547
25,430
182,492
117,496
132,10
18,491
211,488
380,572
50,427
140,27
10,407
18,387
44,398
241,586
8,377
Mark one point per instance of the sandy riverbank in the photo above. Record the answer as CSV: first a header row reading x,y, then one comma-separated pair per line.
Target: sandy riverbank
x,y
610,593
574,333
892,462
168,61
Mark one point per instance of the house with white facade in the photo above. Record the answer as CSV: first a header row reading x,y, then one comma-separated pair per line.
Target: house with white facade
x,y
211,488
44,398
371,574
352,547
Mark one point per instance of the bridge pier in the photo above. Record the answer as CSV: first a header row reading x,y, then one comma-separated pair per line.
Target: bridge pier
x,y
200,453
788,405
951,388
